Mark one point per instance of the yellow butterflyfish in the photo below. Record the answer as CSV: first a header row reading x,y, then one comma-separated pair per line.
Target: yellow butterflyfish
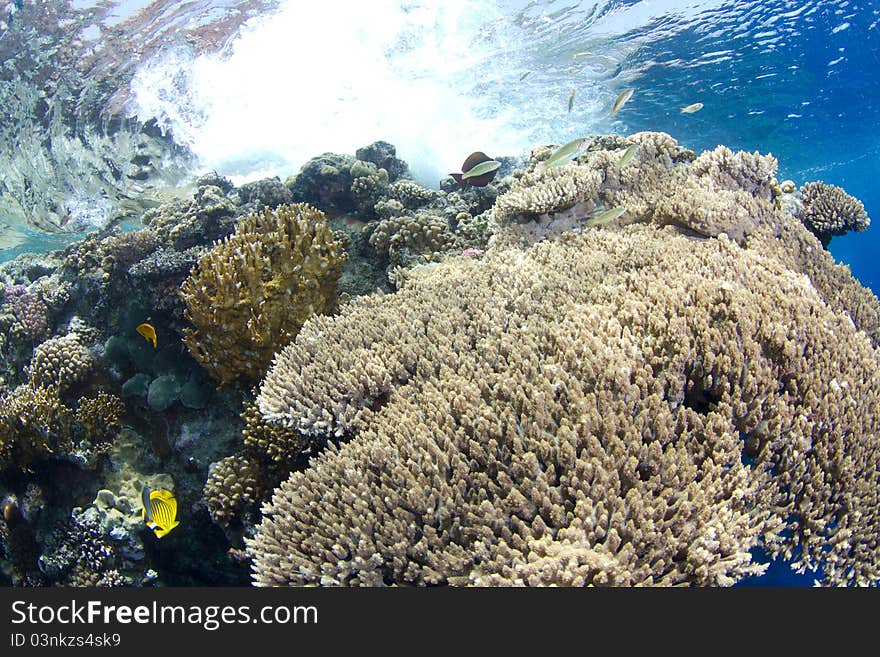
x,y
148,332
160,510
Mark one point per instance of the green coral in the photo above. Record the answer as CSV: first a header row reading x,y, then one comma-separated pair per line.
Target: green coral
x,y
253,291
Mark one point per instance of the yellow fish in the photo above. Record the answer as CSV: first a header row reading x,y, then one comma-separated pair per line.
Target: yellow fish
x,y
160,510
148,332
690,109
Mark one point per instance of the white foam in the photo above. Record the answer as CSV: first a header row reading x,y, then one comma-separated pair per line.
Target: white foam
x,y
334,76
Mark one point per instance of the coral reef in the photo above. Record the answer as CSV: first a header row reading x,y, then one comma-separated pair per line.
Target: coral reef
x,y
325,182
828,211
542,401
384,156
410,194
234,484
547,190
265,193
61,362
252,292
368,186
182,224
555,416
34,425
99,418
405,238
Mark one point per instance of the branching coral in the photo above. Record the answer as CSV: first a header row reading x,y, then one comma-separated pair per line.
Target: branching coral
x,y
402,238
252,292
234,484
99,419
718,192
245,480
547,190
828,210
560,416
411,194
34,425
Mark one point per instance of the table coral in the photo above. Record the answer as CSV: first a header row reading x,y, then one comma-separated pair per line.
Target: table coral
x,y
619,407
252,292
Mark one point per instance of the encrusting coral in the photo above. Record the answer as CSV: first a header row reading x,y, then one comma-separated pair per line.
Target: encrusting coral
x,y
630,405
251,293
828,210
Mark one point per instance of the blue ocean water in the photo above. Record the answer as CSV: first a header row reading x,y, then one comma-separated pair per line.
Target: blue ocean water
x,y
286,81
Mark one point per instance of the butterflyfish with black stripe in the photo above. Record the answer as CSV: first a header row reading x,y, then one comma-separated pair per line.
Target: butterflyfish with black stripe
x,y
160,510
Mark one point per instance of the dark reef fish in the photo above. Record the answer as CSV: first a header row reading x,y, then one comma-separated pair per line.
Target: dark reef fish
x,y
478,170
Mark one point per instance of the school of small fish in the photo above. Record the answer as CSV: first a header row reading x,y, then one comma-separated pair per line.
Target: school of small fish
x,y
479,169
567,152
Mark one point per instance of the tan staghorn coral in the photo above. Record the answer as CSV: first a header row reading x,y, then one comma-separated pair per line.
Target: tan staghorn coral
x,y
60,362
615,408
547,190
720,191
251,293
828,210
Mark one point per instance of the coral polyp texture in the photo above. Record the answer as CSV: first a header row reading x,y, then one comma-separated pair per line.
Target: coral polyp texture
x,y
252,292
34,425
61,362
828,210
627,405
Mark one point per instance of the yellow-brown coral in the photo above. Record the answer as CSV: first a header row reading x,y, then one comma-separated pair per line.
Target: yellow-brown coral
x,y
60,362
34,425
99,418
252,292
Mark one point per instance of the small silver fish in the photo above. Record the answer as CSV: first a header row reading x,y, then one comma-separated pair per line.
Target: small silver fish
x,y
585,53
523,76
566,153
690,109
482,168
627,156
624,96
571,100
600,218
